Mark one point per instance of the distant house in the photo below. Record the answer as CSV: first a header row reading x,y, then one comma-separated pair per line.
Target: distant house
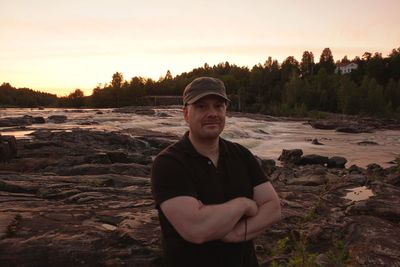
x,y
344,68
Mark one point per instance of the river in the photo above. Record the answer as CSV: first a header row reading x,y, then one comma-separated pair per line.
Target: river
x,y
265,139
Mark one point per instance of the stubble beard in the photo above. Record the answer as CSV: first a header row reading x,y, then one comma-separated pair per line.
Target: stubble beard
x,y
209,135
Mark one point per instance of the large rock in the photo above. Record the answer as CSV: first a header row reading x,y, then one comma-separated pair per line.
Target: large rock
x,y
17,121
121,157
393,179
268,165
355,123
345,125
50,220
367,143
96,169
8,147
337,162
374,168
356,169
312,175
325,125
57,118
354,129
385,203
38,120
316,142
312,159
356,179
64,151
290,156
309,180
100,211
372,241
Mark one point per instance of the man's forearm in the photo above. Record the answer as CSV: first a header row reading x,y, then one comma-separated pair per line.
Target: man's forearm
x,y
198,223
268,214
218,220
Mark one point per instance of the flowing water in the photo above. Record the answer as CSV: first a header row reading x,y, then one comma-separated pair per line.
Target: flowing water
x,y
265,139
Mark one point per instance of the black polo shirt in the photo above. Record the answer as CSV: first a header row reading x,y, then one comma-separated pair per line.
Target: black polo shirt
x,y
180,170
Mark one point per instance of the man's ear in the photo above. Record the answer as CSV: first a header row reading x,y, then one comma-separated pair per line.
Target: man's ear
x,y
185,113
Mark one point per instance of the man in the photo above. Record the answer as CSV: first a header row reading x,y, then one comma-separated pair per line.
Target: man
x,y
211,194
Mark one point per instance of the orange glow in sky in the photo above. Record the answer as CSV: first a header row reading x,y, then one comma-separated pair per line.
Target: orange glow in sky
x,y
58,46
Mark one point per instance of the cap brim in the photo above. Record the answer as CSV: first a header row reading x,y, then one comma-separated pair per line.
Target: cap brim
x,y
191,101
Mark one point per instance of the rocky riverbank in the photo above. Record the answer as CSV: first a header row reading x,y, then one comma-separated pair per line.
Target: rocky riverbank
x,y
82,198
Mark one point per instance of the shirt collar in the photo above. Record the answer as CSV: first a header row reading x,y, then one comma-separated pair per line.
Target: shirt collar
x,y
189,148
187,145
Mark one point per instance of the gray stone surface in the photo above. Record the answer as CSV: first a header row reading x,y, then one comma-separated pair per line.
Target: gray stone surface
x,y
83,198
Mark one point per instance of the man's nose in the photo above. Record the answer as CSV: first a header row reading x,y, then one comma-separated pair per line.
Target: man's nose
x,y
212,111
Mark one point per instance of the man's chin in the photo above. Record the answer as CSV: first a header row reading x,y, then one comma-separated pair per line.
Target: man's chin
x,y
212,127
211,134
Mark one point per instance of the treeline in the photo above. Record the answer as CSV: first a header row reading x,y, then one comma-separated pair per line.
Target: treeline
x,y
25,97
289,88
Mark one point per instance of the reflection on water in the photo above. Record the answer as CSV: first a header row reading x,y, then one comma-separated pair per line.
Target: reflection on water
x,y
266,139
359,193
18,134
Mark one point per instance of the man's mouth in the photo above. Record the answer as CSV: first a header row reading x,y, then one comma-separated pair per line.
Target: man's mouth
x,y
211,123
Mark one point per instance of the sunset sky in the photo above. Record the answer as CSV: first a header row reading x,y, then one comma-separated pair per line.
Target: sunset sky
x,y
57,46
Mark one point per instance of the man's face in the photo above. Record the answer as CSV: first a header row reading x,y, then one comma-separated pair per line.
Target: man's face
x,y
206,117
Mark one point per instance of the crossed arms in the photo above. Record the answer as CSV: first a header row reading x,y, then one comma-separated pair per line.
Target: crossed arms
x,y
198,223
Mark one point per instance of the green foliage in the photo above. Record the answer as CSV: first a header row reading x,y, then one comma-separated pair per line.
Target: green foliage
x,y
97,183
300,110
316,114
294,92
75,99
290,67
338,255
326,61
392,95
287,89
307,64
24,97
280,246
349,96
117,80
278,250
299,255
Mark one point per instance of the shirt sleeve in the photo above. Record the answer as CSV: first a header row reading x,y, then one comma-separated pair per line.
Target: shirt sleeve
x,y
254,168
170,179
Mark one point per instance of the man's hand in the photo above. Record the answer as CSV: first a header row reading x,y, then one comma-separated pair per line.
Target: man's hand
x,y
252,208
268,213
234,235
